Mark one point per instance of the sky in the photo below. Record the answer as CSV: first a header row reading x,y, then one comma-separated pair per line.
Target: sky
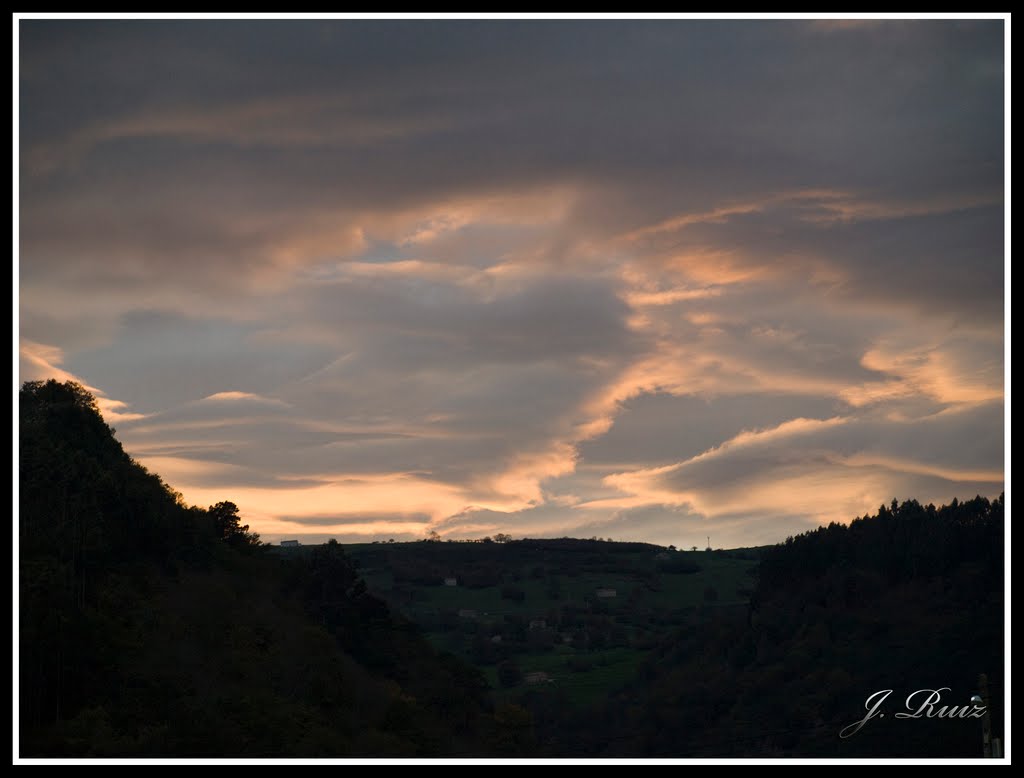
x,y
648,280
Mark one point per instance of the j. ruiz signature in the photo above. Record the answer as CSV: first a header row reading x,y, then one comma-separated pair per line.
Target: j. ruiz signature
x,y
922,704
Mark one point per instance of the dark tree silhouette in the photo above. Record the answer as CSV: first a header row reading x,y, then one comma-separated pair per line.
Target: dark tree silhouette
x,y
145,631
229,525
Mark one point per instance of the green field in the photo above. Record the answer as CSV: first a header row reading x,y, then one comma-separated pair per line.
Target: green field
x,y
534,604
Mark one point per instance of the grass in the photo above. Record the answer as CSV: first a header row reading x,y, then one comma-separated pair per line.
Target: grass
x,y
727,577
610,669
649,603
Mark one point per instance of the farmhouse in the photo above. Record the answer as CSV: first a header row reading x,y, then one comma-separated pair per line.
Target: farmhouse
x,y
538,676
290,543
450,582
467,613
606,592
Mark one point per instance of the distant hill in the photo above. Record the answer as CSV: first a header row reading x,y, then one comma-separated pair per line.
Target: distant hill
x,y
559,622
629,649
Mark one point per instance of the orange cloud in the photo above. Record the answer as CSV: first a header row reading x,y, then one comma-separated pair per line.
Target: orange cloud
x,y
40,362
949,372
352,494
640,480
227,397
669,296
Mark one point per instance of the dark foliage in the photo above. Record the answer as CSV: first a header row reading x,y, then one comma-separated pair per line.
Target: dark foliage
x,y
906,600
150,628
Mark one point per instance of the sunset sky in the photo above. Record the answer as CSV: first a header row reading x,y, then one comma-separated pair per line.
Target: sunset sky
x,y
647,280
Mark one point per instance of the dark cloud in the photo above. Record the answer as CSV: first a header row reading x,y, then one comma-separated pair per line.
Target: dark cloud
x,y
493,275
192,128
828,466
944,262
660,429
162,359
546,317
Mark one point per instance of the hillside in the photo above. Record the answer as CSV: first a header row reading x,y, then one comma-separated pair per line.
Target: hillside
x,y
566,618
754,652
150,628
909,599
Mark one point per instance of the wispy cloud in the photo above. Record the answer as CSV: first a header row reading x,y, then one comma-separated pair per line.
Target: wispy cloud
x,y
626,278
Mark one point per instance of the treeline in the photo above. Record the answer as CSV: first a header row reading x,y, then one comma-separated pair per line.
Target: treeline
x,y
909,599
480,565
152,628
902,542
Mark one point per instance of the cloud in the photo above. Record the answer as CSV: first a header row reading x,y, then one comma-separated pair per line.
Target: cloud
x,y
246,398
483,395
38,362
387,521
828,468
536,277
660,429
41,362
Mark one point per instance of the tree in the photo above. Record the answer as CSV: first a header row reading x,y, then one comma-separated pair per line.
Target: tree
x,y
229,527
54,394
501,537
432,536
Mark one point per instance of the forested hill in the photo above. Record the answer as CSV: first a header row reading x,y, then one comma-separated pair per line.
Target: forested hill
x,y
908,599
150,628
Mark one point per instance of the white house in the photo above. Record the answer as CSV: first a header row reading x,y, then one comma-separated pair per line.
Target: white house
x,y
450,582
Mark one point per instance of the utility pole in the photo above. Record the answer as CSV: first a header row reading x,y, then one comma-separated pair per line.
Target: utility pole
x,y
986,720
